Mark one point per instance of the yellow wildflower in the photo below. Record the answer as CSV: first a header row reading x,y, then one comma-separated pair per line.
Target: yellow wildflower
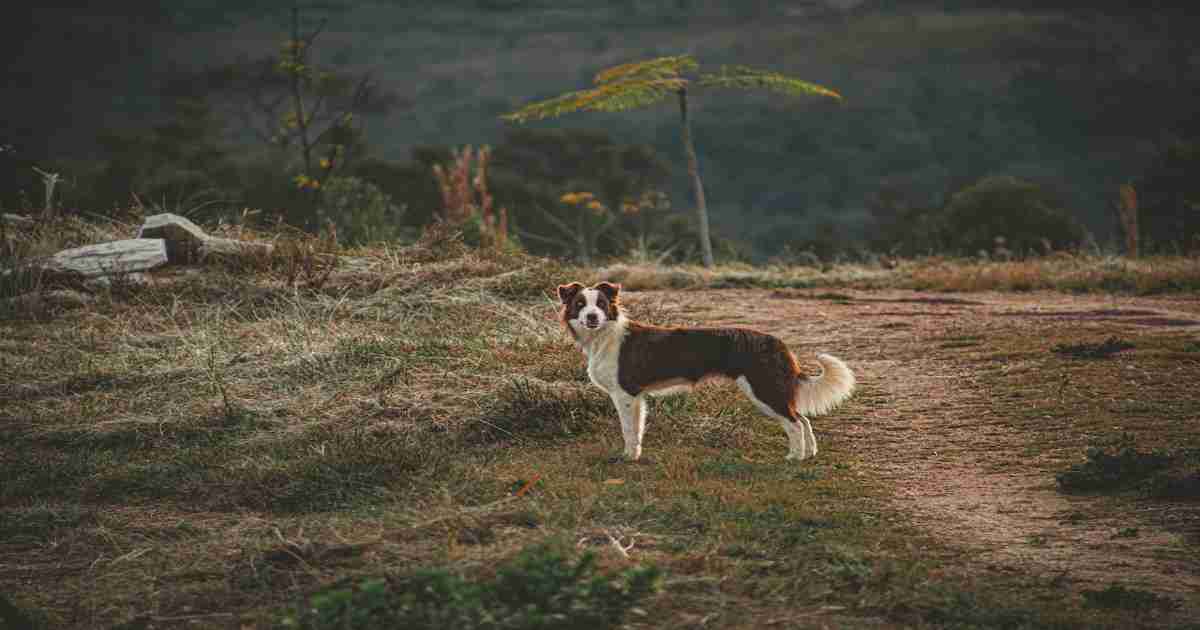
x,y
325,163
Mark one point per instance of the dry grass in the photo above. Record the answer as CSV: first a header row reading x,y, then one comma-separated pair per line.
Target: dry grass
x,y
216,445
1062,272
1075,274
25,288
1076,401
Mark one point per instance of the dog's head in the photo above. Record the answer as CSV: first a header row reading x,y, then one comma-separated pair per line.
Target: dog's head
x,y
589,309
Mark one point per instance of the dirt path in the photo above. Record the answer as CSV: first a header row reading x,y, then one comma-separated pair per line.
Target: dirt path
x,y
925,423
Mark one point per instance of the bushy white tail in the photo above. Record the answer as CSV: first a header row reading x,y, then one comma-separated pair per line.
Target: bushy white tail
x,y
821,394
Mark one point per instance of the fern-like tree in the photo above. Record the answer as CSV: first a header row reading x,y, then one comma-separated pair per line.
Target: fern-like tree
x,y
645,83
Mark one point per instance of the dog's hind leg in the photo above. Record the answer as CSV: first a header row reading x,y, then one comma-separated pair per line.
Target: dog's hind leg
x,y
798,437
810,440
632,410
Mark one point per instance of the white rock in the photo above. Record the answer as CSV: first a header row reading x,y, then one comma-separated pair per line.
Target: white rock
x,y
187,243
16,219
127,256
184,238
171,227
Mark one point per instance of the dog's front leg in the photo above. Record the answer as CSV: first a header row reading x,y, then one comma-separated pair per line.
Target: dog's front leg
x,y
632,410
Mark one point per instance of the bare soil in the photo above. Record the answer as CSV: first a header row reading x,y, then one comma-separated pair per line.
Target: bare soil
x,y
927,422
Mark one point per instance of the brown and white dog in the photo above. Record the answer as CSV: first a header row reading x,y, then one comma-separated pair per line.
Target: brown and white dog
x,y
629,360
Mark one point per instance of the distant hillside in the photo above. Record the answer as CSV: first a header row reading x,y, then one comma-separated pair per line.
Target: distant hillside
x,y
935,98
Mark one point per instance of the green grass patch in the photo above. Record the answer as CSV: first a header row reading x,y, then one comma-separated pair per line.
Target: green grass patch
x,y
732,468
1103,350
1118,596
542,589
1114,465
41,520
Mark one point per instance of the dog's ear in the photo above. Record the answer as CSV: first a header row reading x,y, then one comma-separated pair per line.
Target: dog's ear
x,y
609,290
567,292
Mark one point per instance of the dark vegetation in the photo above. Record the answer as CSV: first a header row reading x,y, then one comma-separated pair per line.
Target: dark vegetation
x,y
1102,350
963,130
542,589
1118,465
1123,597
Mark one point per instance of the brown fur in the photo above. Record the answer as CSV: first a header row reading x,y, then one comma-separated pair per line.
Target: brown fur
x,y
657,357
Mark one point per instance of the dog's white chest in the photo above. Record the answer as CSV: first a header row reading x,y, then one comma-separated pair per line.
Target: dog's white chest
x,y
603,362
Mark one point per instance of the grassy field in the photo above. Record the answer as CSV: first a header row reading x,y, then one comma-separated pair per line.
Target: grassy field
x,y
221,446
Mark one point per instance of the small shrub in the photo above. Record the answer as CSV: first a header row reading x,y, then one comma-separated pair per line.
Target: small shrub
x,y
476,234
13,617
1008,213
361,211
1182,481
1169,194
465,198
1110,467
949,608
542,589
1118,596
1111,346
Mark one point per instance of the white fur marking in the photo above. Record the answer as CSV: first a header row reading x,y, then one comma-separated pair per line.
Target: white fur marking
x,y
633,422
603,347
821,394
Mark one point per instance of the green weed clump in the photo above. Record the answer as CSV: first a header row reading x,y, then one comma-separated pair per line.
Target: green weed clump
x,y
1112,466
1103,350
1122,597
1119,465
542,589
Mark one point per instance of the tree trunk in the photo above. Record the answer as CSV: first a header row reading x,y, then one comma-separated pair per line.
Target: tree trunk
x,y
581,238
697,185
300,56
